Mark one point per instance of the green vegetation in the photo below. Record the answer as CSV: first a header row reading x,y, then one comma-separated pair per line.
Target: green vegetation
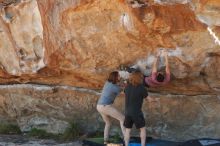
x,y
116,138
96,134
72,132
100,140
41,134
97,137
9,129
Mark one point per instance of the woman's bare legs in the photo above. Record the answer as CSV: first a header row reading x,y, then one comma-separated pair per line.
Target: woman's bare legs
x,y
108,111
143,136
127,136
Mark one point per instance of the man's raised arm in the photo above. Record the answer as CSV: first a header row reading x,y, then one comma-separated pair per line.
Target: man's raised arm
x,y
166,62
154,68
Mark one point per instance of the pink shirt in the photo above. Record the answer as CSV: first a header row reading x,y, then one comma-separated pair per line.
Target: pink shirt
x,y
152,81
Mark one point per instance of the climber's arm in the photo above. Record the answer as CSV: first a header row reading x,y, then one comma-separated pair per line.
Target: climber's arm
x,y
167,62
154,67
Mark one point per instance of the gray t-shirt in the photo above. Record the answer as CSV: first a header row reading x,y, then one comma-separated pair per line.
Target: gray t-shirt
x,y
109,92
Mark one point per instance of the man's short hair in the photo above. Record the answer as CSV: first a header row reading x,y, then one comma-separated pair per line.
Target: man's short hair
x,y
160,77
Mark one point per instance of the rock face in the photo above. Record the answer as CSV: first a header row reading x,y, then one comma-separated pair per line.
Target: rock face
x,y
49,107
76,43
174,117
22,50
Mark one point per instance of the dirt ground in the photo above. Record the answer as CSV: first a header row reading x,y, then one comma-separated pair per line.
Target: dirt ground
x,y
19,140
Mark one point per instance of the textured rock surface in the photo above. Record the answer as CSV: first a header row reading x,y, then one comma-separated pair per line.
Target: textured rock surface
x,y
22,48
76,43
49,107
175,117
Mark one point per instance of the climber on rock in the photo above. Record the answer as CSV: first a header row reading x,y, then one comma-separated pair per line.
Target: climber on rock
x,y
158,78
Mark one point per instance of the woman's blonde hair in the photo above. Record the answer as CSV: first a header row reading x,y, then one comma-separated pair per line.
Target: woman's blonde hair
x,y
136,78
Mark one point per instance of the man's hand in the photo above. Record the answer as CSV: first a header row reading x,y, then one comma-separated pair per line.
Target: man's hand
x,y
164,53
158,53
